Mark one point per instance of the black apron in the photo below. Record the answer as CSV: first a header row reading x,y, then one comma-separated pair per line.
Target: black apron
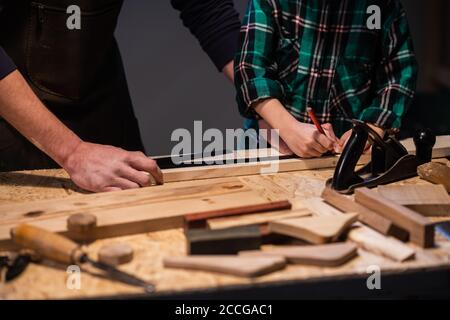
x,y
78,74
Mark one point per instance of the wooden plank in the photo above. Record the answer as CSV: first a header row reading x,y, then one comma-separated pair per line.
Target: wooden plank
x,y
377,243
441,149
429,200
328,255
317,230
436,173
233,265
254,219
32,211
366,216
421,229
134,217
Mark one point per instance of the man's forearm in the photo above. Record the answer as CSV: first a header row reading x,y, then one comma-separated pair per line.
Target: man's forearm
x,y
23,110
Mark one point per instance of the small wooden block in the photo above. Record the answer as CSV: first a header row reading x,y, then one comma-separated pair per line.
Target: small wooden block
x,y
421,229
317,230
232,265
327,255
81,225
429,199
320,208
377,243
115,253
254,219
224,241
366,216
435,172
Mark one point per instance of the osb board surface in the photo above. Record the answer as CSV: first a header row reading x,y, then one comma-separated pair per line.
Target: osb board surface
x,y
49,280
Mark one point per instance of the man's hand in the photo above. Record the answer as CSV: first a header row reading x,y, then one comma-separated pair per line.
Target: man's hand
x,y
343,140
101,168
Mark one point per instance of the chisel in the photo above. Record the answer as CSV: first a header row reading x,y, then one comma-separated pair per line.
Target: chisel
x,y
60,249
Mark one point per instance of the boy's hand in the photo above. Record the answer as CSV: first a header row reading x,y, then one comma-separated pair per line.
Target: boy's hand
x,y
343,140
302,139
306,141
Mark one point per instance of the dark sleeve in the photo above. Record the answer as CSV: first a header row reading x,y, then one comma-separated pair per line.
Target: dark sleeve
x,y
215,23
6,64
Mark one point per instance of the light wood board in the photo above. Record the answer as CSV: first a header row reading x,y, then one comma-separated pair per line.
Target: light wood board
x,y
441,149
129,212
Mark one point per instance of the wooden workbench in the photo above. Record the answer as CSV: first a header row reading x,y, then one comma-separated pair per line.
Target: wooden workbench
x,y
43,281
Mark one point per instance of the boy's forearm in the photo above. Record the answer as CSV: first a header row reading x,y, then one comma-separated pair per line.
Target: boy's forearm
x,y
274,113
23,110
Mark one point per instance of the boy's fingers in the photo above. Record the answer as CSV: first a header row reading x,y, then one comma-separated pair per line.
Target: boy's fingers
x,y
325,142
328,128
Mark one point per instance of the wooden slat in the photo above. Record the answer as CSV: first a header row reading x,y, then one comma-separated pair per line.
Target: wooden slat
x,y
239,210
254,219
421,229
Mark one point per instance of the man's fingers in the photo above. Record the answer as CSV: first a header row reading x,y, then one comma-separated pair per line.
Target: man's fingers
x,y
142,178
123,183
142,163
111,189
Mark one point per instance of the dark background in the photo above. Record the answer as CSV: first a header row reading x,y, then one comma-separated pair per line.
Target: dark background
x,y
172,82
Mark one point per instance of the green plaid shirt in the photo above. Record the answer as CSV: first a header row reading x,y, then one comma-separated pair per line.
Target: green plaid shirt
x,y
320,53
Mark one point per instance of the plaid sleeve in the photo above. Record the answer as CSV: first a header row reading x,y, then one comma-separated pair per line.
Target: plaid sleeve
x,y
397,73
255,72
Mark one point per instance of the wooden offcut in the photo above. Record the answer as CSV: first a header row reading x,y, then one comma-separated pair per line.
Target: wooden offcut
x,y
366,216
232,265
377,243
327,255
421,229
225,241
435,172
428,199
317,230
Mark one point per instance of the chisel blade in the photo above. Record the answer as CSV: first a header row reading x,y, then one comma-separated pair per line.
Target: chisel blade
x,y
122,276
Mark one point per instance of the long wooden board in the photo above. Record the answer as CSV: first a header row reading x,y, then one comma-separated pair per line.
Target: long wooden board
x,y
441,149
124,213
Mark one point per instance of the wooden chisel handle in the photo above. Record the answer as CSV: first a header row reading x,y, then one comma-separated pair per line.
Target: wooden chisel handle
x,y
49,245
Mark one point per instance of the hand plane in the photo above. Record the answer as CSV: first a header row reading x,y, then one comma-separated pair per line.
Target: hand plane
x,y
389,159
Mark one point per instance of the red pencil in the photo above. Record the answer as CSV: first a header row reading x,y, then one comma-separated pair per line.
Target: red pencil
x,y
313,117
